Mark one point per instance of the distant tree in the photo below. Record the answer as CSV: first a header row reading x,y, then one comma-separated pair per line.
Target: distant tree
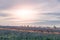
x,y
54,27
27,25
48,31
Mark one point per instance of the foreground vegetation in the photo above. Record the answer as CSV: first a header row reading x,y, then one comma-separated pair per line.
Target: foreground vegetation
x,y
15,35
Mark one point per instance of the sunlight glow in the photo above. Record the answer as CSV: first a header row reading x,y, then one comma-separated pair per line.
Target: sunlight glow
x,y
25,14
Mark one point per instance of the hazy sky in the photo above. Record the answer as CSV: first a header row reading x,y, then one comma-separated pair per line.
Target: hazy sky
x,y
48,12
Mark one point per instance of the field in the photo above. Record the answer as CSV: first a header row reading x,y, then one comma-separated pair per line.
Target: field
x,y
16,35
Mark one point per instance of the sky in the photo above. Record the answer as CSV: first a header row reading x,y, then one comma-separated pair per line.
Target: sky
x,y
42,12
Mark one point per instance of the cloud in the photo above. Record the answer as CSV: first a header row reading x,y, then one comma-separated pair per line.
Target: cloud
x,y
10,18
56,14
52,16
47,22
49,11
4,15
7,4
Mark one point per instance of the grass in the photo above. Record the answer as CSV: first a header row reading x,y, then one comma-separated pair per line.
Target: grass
x,y
15,35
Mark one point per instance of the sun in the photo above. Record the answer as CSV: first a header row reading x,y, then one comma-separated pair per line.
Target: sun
x,y
24,14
